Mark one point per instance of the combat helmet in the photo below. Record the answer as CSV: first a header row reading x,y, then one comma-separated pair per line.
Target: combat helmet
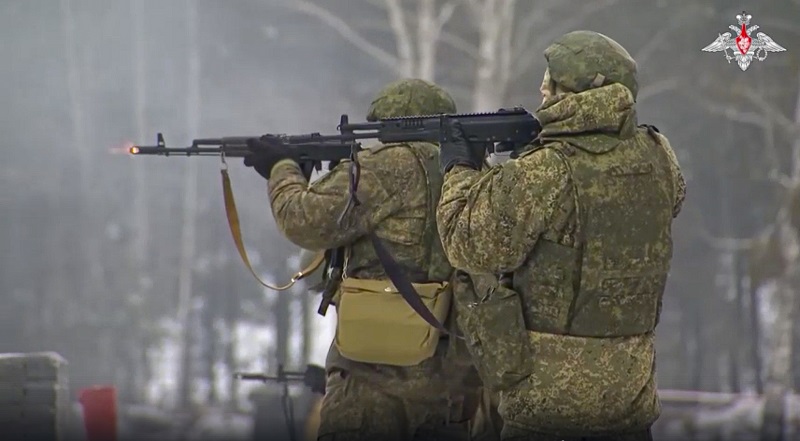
x,y
582,60
408,97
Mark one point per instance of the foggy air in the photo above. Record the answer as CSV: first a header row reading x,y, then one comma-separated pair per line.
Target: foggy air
x,y
124,268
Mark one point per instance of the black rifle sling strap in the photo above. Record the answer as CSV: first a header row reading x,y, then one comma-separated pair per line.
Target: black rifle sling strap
x,y
398,277
332,278
393,270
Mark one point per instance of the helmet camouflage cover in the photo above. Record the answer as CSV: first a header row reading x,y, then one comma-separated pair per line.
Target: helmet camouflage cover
x,y
582,60
409,97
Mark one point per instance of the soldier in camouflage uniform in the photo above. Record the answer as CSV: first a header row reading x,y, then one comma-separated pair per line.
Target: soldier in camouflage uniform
x,y
380,384
568,247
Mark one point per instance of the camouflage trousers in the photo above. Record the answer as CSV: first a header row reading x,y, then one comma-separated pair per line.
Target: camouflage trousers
x,y
434,400
356,409
517,434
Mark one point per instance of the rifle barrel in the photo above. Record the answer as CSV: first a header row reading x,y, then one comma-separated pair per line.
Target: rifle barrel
x,y
233,151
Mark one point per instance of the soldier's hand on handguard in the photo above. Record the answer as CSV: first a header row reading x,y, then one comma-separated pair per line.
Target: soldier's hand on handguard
x,y
266,152
455,150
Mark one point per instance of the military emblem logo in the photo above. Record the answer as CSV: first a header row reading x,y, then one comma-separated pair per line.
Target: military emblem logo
x,y
744,49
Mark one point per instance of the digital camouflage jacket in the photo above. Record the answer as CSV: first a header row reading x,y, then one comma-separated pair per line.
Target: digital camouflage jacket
x,y
581,225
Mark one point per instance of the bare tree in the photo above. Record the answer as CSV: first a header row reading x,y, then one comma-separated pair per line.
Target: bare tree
x,y
140,238
306,330
47,307
495,22
93,261
506,49
189,224
503,51
230,342
783,237
93,288
774,253
140,241
416,34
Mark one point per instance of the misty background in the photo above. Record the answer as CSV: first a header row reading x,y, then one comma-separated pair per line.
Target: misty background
x,y
126,267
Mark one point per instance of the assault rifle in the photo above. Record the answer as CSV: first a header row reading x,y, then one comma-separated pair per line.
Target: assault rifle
x,y
313,378
503,131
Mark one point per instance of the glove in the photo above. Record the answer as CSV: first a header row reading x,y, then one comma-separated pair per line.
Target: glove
x,y
455,150
266,152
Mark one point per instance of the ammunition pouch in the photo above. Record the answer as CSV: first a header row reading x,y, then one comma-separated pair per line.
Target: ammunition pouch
x,y
495,332
376,325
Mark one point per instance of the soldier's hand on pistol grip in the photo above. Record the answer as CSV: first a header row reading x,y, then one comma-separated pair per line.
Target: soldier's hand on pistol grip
x,y
455,150
266,152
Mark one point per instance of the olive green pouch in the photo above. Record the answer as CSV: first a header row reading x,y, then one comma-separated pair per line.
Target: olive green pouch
x,y
376,325
495,332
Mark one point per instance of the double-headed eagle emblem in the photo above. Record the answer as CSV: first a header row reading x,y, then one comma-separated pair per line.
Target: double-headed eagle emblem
x,y
744,48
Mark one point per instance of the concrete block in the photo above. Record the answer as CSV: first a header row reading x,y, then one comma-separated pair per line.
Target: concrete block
x,y
34,396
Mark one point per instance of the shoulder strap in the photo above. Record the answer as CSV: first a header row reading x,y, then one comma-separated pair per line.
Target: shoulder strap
x,y
404,286
429,161
395,272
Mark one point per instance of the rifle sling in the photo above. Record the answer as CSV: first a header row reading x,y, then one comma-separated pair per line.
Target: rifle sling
x,y
404,286
233,222
392,268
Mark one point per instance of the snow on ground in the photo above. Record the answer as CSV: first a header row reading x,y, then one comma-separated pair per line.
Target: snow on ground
x,y
323,329
253,344
739,419
147,423
217,425
735,418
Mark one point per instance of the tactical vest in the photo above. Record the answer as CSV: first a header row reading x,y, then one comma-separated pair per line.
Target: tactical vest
x,y
375,324
435,266
601,270
439,268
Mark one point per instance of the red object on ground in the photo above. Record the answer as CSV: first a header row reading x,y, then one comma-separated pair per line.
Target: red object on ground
x,y
99,412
